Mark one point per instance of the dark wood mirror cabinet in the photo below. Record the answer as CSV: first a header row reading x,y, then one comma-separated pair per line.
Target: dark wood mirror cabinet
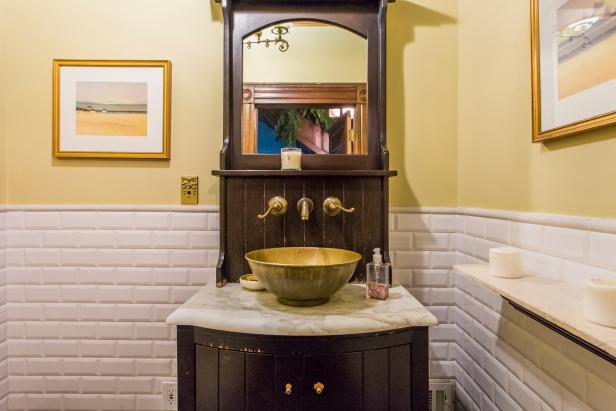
x,y
220,370
249,180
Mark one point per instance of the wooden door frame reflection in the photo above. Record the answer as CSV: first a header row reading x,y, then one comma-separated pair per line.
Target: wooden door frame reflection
x,y
304,94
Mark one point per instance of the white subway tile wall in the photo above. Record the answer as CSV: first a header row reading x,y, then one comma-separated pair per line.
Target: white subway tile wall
x,y
508,361
515,363
4,380
87,296
565,248
423,257
88,292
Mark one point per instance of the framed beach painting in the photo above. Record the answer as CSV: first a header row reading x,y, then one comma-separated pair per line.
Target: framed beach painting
x,y
573,66
111,109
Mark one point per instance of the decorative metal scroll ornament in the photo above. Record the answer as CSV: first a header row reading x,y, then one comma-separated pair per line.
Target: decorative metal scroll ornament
x,y
278,31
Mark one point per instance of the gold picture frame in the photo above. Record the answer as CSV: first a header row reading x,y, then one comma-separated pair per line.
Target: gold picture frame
x,y
147,138
576,126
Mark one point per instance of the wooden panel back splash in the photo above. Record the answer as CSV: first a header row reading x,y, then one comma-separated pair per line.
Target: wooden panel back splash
x,y
246,197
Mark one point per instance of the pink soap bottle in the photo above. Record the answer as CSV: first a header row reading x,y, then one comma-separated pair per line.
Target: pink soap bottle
x,y
377,277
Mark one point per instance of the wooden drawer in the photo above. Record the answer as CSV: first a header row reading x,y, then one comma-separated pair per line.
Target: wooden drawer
x,y
372,380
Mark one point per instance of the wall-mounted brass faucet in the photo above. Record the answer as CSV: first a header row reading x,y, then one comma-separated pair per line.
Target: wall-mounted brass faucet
x,y
276,206
305,207
333,206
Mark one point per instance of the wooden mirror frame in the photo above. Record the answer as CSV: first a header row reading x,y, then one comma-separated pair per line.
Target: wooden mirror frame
x,y
365,18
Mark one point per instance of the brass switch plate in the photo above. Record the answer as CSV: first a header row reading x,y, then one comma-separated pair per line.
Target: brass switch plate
x,y
190,190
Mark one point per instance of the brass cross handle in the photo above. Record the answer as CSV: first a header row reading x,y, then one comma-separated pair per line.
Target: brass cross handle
x,y
288,389
318,388
276,206
333,206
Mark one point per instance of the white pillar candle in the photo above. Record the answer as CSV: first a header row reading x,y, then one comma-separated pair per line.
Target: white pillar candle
x,y
506,262
600,301
291,159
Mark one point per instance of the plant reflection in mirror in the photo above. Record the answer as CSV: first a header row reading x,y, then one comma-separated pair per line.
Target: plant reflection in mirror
x,y
288,125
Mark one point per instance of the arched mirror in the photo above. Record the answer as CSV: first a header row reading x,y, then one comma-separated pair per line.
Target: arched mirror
x,y
305,86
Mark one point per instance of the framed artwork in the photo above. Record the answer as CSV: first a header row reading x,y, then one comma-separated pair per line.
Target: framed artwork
x,y
573,66
111,109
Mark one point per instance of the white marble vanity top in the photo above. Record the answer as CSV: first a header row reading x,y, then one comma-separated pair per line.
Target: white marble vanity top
x,y
558,302
234,309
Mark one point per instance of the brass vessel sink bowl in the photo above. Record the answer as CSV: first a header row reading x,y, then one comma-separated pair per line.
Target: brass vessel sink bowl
x,y
303,276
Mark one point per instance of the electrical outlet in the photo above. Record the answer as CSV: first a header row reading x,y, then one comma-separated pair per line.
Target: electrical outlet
x,y
170,395
190,190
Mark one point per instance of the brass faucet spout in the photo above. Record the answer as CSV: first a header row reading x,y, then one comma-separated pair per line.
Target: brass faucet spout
x,y
305,207
305,213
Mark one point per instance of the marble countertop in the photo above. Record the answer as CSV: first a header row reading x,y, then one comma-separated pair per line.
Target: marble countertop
x,y
557,302
234,309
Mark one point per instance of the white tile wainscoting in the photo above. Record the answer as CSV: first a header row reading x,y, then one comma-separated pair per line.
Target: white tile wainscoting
x,y
507,360
88,289
4,380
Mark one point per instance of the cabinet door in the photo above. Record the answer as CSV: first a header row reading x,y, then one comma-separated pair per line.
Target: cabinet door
x,y
231,380
288,382
206,365
387,379
259,382
400,378
348,385
319,387
376,380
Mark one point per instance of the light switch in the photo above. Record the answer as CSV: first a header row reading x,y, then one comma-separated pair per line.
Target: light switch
x,y
190,190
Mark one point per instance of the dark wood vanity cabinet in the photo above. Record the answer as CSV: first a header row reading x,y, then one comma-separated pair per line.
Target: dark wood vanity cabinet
x,y
219,370
384,370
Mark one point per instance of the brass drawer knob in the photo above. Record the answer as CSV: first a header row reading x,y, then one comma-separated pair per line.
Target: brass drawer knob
x,y
318,388
288,389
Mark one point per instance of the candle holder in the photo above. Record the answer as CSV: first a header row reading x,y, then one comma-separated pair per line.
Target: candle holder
x,y
291,158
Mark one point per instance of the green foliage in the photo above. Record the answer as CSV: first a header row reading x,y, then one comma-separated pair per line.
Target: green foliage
x,y
288,124
320,116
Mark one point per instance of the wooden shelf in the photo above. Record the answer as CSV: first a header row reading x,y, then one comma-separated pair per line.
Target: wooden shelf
x,y
305,173
313,1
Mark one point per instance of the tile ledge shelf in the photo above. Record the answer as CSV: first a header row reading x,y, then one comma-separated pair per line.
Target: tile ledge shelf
x,y
304,173
553,303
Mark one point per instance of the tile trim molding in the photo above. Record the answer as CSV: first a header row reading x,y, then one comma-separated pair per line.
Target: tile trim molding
x,y
602,225
111,207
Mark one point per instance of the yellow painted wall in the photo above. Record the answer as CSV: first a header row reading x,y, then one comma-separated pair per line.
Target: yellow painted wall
x,y
422,104
422,61
498,166
2,104
458,107
187,32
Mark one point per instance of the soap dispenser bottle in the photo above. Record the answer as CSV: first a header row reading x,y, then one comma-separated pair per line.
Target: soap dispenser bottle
x,y
377,277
